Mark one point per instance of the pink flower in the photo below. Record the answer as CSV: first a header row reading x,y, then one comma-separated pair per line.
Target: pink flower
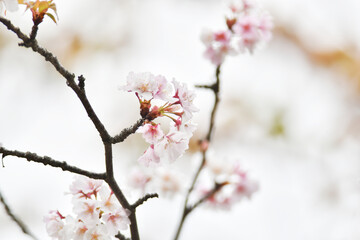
x,y
150,156
54,224
97,233
185,98
151,132
84,187
108,200
142,83
265,26
222,37
164,89
139,179
88,211
172,145
80,230
115,221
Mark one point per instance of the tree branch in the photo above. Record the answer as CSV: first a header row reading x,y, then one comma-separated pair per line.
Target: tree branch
x,y
121,237
127,131
33,157
79,89
22,226
144,199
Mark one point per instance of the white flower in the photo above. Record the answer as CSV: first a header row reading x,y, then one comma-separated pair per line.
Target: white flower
x,y
142,83
151,132
117,220
172,146
88,211
108,202
84,187
54,224
185,98
97,233
79,230
164,89
150,156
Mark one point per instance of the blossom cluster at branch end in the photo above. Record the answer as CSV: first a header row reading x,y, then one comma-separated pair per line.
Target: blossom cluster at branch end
x,y
160,98
234,181
98,214
247,27
167,182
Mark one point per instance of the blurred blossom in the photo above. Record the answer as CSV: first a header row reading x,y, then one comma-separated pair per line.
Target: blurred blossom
x,y
247,25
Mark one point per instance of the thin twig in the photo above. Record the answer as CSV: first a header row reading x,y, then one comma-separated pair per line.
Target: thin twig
x,y
127,131
28,42
33,157
215,87
216,188
17,220
144,199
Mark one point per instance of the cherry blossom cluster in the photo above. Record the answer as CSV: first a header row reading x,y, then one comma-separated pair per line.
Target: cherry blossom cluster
x,y
164,181
247,26
160,98
98,213
235,185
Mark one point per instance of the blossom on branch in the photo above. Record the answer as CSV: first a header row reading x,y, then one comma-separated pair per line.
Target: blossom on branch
x,y
97,213
178,106
235,185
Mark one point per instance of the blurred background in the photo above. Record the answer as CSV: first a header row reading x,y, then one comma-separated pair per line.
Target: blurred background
x,y
289,113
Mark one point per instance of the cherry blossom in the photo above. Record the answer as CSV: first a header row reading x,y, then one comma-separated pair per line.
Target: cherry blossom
x,y
235,184
97,216
54,224
151,132
247,27
117,220
163,180
84,187
178,106
185,99
149,157
142,83
172,145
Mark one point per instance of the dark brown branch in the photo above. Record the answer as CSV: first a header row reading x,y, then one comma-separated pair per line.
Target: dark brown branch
x,y
121,237
32,157
144,199
28,42
127,132
123,201
34,31
22,226
186,208
216,90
